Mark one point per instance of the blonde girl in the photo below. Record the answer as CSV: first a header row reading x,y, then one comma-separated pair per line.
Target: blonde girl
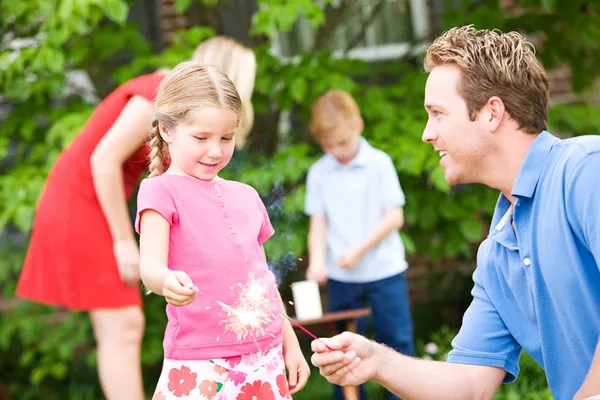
x,y
203,234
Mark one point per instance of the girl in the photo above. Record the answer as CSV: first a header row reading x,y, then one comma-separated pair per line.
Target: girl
x,y
201,243
82,253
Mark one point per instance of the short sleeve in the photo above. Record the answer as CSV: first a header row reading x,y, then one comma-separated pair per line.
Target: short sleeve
x,y
266,229
484,339
313,200
583,203
390,189
154,195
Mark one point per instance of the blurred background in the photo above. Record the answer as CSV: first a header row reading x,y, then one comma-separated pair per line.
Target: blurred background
x,y
58,58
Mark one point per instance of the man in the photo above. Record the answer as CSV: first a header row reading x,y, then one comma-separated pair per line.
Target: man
x,y
537,282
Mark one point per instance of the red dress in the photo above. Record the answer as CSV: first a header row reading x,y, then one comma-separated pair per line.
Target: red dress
x,y
70,260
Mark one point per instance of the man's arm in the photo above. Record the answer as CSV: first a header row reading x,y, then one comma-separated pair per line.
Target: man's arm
x,y
411,378
356,359
583,210
591,385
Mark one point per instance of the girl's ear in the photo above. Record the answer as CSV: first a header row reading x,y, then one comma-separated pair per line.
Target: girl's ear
x,y
165,133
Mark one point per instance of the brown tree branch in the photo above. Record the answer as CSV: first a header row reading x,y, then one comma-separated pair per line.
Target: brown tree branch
x,y
333,18
366,23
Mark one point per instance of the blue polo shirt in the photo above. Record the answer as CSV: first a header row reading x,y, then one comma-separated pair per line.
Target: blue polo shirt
x,y
539,290
354,198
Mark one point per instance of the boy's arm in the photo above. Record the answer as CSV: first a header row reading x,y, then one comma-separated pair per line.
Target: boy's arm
x,y
317,245
392,201
392,220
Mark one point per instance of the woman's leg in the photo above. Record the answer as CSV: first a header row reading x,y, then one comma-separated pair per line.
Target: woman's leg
x,y
119,334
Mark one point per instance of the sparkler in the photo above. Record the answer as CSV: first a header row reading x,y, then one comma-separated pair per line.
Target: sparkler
x,y
253,312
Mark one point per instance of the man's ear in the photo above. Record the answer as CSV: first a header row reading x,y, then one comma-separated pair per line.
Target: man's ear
x,y
495,113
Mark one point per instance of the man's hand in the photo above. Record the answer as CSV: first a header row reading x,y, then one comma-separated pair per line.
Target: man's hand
x,y
351,257
352,362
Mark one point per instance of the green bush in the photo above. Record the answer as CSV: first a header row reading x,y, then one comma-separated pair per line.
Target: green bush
x,y
43,356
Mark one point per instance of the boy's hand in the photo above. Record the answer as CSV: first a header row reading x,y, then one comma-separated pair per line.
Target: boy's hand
x,y
316,272
350,258
177,289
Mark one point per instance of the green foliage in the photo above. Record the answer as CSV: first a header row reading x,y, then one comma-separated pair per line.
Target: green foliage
x,y
45,40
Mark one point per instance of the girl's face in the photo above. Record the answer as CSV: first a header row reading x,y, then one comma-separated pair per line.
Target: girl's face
x,y
203,145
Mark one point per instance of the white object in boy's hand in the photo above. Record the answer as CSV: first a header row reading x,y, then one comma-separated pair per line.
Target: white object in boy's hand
x,y
307,300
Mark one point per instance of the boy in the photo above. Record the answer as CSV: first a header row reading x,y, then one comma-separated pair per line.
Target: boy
x,y
354,200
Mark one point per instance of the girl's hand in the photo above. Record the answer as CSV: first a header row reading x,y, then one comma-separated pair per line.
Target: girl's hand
x,y
127,255
297,367
177,289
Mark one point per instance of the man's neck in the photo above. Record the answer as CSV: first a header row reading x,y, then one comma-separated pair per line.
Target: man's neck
x,y
506,163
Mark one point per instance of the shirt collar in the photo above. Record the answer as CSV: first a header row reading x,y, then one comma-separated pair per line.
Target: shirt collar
x,y
361,158
531,169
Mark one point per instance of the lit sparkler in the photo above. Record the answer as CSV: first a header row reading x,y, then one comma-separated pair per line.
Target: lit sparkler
x,y
252,312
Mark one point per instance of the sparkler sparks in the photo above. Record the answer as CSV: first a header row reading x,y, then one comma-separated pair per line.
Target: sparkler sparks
x,y
253,311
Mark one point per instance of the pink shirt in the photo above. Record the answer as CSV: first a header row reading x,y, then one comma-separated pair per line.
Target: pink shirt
x,y
217,230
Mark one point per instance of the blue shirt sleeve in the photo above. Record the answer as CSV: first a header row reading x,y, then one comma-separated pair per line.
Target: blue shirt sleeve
x,y
313,200
391,191
583,203
483,338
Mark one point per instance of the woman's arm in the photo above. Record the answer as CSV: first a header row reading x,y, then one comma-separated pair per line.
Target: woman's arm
x,y
129,132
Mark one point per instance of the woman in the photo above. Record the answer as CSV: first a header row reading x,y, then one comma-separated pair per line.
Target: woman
x,y
83,254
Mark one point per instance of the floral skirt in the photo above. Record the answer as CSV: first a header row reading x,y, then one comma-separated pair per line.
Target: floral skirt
x,y
255,376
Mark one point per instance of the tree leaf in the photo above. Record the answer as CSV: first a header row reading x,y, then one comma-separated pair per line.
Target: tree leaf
x,y
182,6
116,10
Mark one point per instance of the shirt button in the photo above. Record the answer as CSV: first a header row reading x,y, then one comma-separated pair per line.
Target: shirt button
x,y
222,204
230,226
226,215
527,261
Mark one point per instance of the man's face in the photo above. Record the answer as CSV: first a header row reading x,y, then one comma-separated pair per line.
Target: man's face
x,y
462,144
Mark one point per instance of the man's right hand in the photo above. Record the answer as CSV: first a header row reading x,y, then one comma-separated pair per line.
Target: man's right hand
x,y
317,273
352,361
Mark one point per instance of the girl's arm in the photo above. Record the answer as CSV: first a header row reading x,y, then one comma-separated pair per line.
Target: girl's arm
x,y
294,360
154,250
176,286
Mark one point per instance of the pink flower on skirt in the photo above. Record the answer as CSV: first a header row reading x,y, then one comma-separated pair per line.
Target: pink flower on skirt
x,y
255,391
208,388
159,396
282,384
250,359
181,381
233,361
273,364
237,377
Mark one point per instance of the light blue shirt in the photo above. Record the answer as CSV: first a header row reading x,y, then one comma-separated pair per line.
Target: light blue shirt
x,y
354,199
539,290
